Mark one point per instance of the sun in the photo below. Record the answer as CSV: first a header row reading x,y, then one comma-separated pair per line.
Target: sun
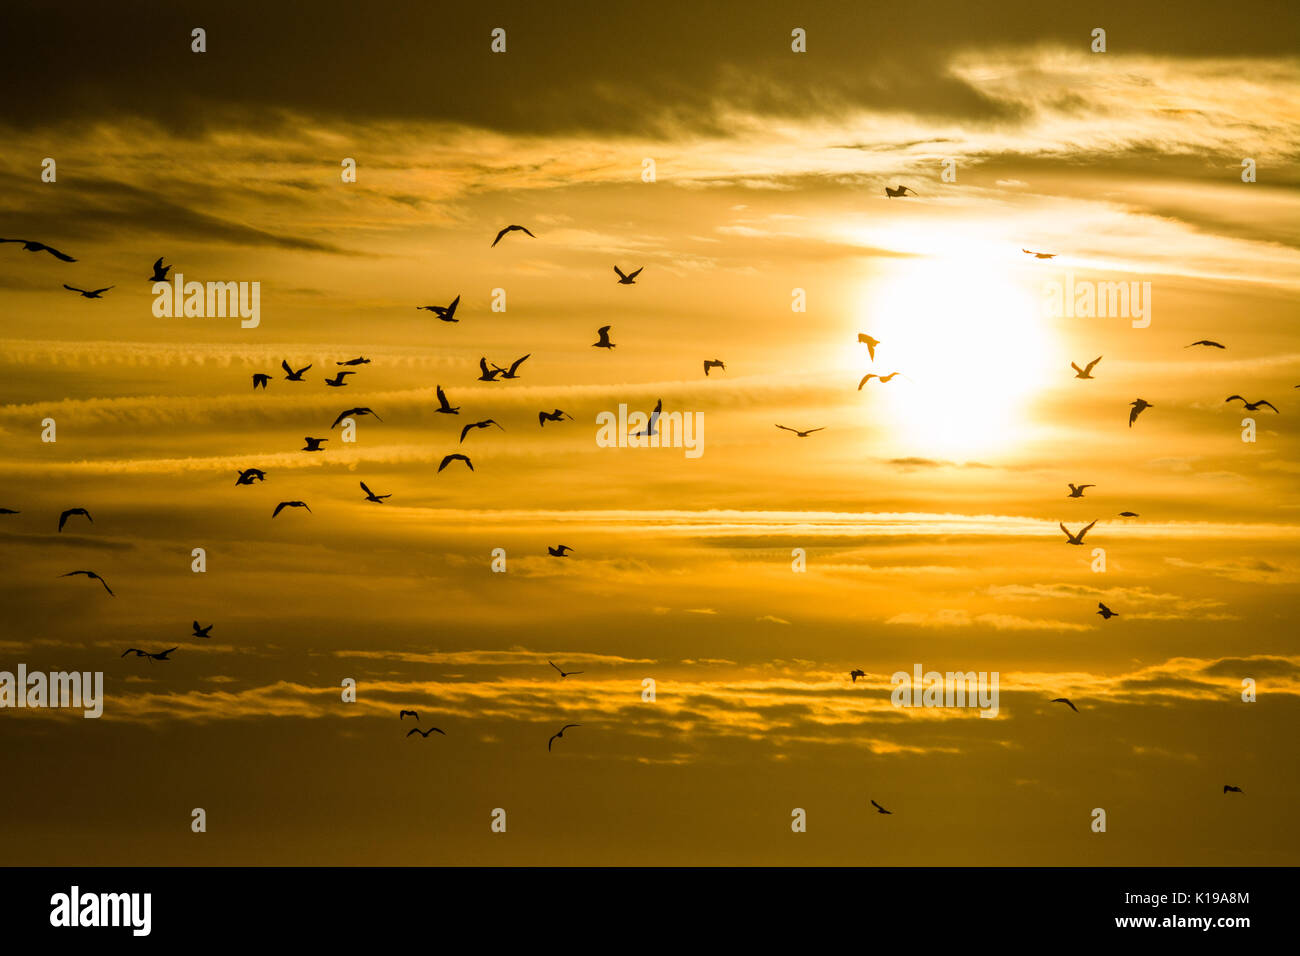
x,y
973,351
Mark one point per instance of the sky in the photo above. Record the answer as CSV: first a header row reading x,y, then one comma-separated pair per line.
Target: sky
x,y
919,527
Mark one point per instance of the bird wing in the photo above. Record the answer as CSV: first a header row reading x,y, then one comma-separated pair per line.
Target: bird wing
x,y
865,379
620,272
366,490
1094,362
55,252
811,430
635,274
63,519
876,805
522,229
500,234
788,429
1066,530
284,364
465,431
1269,404
73,288
519,362
603,331
280,507
1231,397
413,730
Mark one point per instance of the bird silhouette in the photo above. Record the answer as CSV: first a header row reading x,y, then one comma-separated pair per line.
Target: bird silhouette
x,y
1207,342
1066,701
485,375
313,444
900,191
202,631
513,370
160,656
883,378
653,421
259,380
359,360
804,434
444,406
628,279
713,363
880,809
403,713
1250,406
347,413
1139,407
604,342
564,673
89,293
1230,789
856,674
9,511
555,416
31,245
289,504
63,518
450,458
1129,514
870,343
1076,538
1086,371
446,313
558,552
1076,491
371,496
338,380
560,734
507,229
159,271
1105,612
290,374
483,424
424,733
1039,255
92,574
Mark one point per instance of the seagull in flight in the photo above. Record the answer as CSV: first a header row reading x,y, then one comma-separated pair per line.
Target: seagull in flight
x,y
1039,255
1250,406
900,191
259,380
1066,701
202,631
403,713
160,656
870,343
63,518
483,424
654,420
871,375
604,342
359,360
89,293
560,552
713,363
555,416
564,673
560,734
291,375
1076,491
371,496
501,234
1139,407
513,370
424,733
444,406
1230,789
485,375
1076,538
354,411
1105,612
802,434
1206,342
313,444
1129,514
289,504
337,380
92,574
629,279
856,674
159,271
880,809
32,245
447,313
1086,371
450,458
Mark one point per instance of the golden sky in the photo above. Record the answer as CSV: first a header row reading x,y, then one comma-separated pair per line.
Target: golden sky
x,y
928,507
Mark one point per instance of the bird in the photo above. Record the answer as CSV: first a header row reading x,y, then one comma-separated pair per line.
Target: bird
x,y
450,458
403,713
501,234
485,375
1129,514
856,674
202,631
9,511
1086,371
359,360
870,343
871,375
1039,255
483,424
63,518
713,363
1076,491
649,429
1139,407
1250,406
1076,538
604,342
560,734
629,279
259,380
900,191
1105,612
160,656
424,733
880,809
92,574
558,552
1207,342
371,496
159,271
1231,789
563,673
89,293
31,245
313,444
802,434
289,504
1066,701
444,406
337,380
354,411
291,375
513,370
555,416
446,313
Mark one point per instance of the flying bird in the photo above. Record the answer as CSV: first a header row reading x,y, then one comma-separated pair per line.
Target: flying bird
x,y
92,574
446,313
1250,406
560,552
555,416
502,233
9,511
880,809
159,271
403,713
450,458
1039,255
32,245
354,411
802,434
483,424
289,504
1129,514
1206,342
1066,701
604,342
1076,538
291,375
202,631
444,406
900,191
259,380
871,375
654,420
713,363
313,444
424,733
1076,491
89,293
856,674
1229,789
513,370
564,673
485,375
371,496
870,343
1139,407
627,280
359,360
1086,371
160,656
63,518
337,380
1105,612
560,734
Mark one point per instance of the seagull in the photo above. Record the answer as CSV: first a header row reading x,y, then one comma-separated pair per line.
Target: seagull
x,y
870,376
502,233
202,631
1086,371
32,245
371,496
159,271
63,518
856,674
1076,538
1066,701
802,434
447,314
450,458
654,419
1039,255
444,406
485,375
337,380
89,293
1228,789
870,343
1105,612
555,416
289,504
354,411
403,713
160,656
1207,342
560,552
1076,491
900,191
424,733
880,809
1129,514
483,424
627,280
9,511
713,363
313,444
1138,408
359,360
293,376
1250,406
512,371
564,673
92,574
604,342
259,380
560,734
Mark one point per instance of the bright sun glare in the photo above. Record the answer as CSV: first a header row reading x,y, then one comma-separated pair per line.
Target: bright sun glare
x,y
972,347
